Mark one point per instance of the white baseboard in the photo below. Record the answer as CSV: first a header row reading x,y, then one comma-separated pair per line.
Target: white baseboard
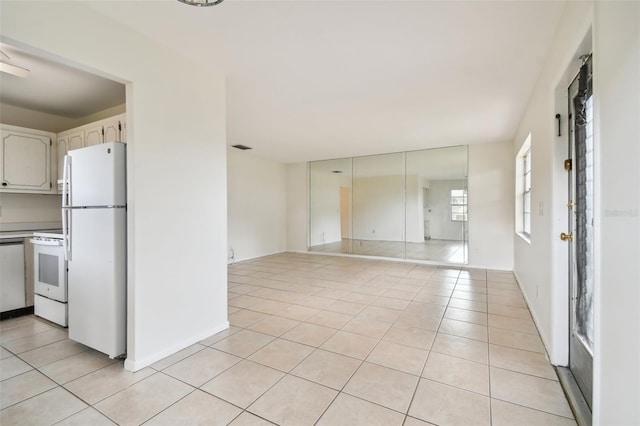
x,y
242,259
138,364
545,341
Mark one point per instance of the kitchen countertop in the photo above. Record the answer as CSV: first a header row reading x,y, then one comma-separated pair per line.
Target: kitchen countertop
x,y
25,234
15,234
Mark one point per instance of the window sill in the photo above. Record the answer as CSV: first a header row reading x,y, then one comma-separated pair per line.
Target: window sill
x,y
525,237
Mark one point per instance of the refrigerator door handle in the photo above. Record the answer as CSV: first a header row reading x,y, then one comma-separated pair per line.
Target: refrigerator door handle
x,y
66,182
66,233
66,229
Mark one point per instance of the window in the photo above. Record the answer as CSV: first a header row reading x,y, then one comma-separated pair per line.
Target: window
x,y
458,205
526,193
523,190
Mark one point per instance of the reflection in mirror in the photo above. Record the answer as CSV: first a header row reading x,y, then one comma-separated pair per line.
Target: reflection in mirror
x,y
330,206
437,205
405,205
378,205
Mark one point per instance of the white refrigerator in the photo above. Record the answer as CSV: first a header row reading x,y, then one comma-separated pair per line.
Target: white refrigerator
x,y
94,218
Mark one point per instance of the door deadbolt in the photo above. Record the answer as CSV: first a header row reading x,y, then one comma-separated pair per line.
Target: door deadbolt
x,y
566,237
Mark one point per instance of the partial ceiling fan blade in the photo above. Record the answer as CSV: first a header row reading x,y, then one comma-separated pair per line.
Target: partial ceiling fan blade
x,y
14,70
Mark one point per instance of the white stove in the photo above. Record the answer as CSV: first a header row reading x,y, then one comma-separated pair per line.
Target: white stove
x,y
50,278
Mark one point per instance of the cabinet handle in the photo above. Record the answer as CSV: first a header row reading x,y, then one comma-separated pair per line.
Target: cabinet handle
x,y
4,183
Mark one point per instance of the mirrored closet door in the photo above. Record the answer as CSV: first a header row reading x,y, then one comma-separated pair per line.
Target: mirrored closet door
x,y
408,205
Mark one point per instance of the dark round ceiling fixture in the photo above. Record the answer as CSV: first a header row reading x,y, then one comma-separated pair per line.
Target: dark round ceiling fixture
x,y
201,2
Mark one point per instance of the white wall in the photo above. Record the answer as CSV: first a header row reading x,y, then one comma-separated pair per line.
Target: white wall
x,y
491,202
616,58
176,181
21,210
256,206
297,209
541,265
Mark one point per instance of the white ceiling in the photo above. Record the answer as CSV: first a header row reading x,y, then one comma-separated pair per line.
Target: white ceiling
x,y
309,80
55,88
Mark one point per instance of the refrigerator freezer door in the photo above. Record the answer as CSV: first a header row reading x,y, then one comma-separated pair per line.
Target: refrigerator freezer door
x,y
97,175
97,279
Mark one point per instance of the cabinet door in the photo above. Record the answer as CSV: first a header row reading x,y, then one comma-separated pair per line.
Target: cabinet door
x,y
12,289
67,141
62,149
112,129
123,127
93,134
76,140
26,161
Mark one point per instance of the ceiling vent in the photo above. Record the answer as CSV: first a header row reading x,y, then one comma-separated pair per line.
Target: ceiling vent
x,y
242,147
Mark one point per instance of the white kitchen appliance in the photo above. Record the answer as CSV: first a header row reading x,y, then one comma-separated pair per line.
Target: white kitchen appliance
x,y
94,217
12,283
50,277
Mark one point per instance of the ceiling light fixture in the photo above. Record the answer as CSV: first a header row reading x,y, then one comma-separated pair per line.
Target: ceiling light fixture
x,y
201,2
8,68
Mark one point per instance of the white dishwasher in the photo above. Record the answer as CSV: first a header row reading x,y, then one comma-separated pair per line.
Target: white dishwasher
x,y
12,286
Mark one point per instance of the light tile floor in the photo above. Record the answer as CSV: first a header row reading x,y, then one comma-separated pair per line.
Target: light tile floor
x,y
314,340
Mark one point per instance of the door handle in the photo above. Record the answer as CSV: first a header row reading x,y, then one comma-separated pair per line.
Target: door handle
x,y
566,237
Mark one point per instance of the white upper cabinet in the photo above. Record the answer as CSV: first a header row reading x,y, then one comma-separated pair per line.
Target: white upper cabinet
x,y
33,159
67,141
93,134
113,129
25,157
76,140
62,146
107,130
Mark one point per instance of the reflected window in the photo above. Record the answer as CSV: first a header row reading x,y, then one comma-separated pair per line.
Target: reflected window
x,y
458,205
